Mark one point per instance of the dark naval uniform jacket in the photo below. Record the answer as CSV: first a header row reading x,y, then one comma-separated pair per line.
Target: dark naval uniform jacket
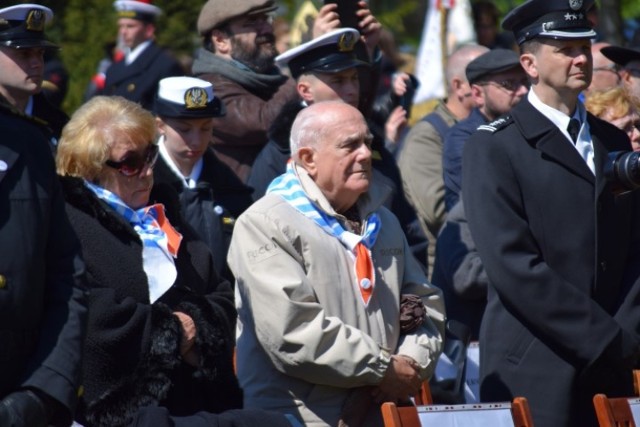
x,y
560,325
211,208
138,81
42,282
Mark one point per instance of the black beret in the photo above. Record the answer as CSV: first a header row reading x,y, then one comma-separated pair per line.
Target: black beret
x,y
491,62
556,19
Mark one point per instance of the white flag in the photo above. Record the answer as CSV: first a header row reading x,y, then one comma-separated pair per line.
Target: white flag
x,y
429,67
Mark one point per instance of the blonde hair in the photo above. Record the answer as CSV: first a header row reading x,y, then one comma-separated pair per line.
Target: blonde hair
x,y
613,103
93,129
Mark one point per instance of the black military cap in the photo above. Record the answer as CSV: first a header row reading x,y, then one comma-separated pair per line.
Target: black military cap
x,y
187,98
556,19
620,55
22,26
491,62
330,53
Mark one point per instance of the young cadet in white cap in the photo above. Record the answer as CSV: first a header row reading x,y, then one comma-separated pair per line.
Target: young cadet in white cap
x,y
553,232
145,64
22,48
211,195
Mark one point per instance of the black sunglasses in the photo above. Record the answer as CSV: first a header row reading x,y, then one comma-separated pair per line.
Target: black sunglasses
x,y
135,162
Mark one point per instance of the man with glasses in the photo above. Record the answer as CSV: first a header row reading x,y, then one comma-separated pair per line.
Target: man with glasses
x,y
497,84
554,236
238,57
136,77
605,71
629,62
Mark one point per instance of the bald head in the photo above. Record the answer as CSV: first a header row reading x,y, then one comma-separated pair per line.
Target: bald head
x,y
605,74
459,59
314,123
459,99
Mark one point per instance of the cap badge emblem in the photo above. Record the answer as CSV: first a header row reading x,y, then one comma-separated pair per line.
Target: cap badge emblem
x,y
131,14
195,98
346,42
35,20
575,4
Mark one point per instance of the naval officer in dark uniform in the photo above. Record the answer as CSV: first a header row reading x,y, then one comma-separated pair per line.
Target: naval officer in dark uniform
x,y
42,288
22,48
552,231
136,77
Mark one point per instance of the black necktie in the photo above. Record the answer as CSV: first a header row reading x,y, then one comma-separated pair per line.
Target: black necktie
x,y
574,129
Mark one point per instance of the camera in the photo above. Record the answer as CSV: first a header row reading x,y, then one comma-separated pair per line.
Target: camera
x,y
622,168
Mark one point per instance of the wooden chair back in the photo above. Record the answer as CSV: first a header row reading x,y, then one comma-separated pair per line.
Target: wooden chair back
x,y
613,411
410,416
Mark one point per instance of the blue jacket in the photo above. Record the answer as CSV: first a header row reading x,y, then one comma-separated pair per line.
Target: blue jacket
x,y
452,155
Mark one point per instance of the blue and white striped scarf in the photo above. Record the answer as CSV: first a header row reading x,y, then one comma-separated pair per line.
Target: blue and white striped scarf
x,y
144,221
288,187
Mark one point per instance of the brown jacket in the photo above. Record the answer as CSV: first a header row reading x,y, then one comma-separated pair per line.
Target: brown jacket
x,y
252,102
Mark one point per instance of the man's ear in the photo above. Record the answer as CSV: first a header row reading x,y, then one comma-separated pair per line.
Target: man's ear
x,y
160,124
221,42
149,31
528,62
307,159
304,90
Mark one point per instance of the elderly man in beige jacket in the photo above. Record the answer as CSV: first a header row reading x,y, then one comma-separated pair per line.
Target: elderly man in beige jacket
x,y
323,273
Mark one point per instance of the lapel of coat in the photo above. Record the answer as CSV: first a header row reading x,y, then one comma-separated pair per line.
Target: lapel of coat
x,y
120,71
549,140
8,158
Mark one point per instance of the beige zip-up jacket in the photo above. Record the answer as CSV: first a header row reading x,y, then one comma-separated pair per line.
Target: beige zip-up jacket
x,y
304,337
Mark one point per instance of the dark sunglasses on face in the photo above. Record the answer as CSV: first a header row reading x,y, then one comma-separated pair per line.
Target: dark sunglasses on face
x,y
135,162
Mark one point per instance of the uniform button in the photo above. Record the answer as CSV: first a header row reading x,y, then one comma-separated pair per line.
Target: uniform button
x,y
603,266
3,282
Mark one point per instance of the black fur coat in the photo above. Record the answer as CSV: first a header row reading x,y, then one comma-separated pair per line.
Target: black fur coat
x,y
132,350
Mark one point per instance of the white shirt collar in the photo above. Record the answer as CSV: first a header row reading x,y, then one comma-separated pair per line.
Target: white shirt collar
x,y
28,110
584,144
189,181
133,54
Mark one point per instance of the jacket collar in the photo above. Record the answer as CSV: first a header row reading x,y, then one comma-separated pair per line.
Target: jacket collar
x,y
536,128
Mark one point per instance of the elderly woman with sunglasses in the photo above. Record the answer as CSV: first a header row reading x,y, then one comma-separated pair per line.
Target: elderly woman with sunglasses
x,y
161,322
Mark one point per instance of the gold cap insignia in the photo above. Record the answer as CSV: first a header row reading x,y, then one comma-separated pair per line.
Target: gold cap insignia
x,y
195,98
35,20
131,87
127,14
346,42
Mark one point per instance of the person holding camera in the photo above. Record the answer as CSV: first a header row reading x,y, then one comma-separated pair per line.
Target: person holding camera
x,y
554,237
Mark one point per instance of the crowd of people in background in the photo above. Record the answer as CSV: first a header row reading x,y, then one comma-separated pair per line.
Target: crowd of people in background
x,y
268,237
